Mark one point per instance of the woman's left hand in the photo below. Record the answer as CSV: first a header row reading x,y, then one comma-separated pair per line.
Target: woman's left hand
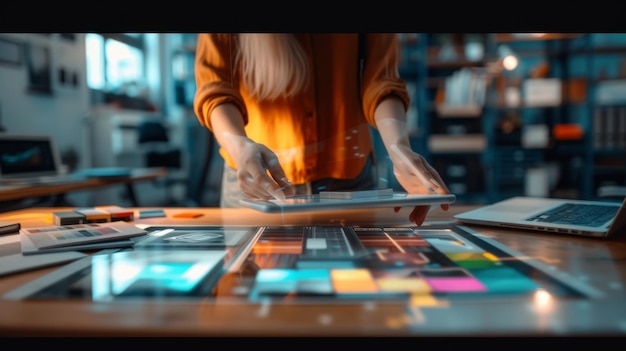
x,y
416,176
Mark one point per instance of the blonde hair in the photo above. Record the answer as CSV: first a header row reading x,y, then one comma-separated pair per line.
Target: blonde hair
x,y
272,65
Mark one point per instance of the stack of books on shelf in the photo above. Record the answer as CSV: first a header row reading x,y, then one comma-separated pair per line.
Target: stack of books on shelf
x,y
464,93
457,143
542,92
609,128
611,92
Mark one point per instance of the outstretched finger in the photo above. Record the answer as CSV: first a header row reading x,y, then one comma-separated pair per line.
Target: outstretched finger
x,y
281,187
253,187
418,215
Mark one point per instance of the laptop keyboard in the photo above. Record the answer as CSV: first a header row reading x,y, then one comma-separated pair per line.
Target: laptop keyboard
x,y
577,214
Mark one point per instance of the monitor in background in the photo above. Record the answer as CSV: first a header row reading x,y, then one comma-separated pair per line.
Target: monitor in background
x,y
23,156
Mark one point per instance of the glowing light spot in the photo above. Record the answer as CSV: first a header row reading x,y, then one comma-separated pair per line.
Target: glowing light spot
x,y
325,319
543,301
510,62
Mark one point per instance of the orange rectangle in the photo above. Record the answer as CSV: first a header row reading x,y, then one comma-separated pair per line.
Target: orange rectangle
x,y
568,131
188,215
118,213
285,248
94,215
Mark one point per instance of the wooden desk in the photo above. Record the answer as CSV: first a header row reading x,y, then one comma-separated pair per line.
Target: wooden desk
x,y
28,191
598,263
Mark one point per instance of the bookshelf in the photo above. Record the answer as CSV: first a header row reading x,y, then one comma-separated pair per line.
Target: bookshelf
x,y
448,100
553,126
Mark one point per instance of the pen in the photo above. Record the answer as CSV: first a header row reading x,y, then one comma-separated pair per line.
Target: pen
x,y
427,182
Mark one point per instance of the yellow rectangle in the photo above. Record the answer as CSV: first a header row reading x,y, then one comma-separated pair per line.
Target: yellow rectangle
x,y
353,281
413,285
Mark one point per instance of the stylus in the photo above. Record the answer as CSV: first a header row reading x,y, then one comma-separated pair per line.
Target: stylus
x,y
426,181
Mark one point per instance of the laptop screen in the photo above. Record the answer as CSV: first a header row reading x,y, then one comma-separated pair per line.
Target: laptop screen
x,y
25,156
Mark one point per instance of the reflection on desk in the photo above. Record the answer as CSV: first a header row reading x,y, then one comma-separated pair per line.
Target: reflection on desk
x,y
441,265
325,274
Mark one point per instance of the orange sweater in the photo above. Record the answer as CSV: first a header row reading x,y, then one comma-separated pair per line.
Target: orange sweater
x,y
323,132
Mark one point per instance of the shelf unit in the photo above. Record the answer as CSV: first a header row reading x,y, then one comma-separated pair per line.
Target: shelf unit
x,y
183,70
450,137
607,99
524,137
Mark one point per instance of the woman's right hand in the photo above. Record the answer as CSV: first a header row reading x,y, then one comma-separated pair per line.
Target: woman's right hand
x,y
259,174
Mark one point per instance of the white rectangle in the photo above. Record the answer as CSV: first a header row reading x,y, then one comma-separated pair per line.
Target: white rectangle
x,y
457,143
535,136
542,92
611,92
537,182
316,244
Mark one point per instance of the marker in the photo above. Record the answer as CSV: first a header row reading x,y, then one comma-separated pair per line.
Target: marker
x,y
395,148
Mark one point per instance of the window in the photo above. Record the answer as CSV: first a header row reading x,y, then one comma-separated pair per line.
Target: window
x,y
115,61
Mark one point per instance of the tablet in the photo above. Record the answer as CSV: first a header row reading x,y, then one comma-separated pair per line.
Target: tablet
x,y
316,203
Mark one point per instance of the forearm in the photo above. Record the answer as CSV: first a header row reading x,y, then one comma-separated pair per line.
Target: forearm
x,y
228,128
390,119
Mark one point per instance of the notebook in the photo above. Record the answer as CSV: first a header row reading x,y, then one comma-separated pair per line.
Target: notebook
x,y
568,216
44,238
31,159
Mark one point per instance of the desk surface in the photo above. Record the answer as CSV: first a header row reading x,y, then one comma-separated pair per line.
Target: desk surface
x,y
594,262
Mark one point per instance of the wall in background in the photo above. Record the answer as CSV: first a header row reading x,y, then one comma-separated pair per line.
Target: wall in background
x,y
44,90
60,103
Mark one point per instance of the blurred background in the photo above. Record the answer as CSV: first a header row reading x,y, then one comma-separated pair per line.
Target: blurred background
x,y
498,114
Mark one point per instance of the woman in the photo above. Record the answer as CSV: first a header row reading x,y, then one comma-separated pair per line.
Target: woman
x,y
292,113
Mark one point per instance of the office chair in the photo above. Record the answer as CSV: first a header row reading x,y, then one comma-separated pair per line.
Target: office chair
x,y
203,187
153,136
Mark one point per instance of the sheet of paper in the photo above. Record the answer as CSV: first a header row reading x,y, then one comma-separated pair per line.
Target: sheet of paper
x,y
19,263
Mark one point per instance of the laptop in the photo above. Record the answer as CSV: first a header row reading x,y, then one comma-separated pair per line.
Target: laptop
x,y
31,159
591,218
